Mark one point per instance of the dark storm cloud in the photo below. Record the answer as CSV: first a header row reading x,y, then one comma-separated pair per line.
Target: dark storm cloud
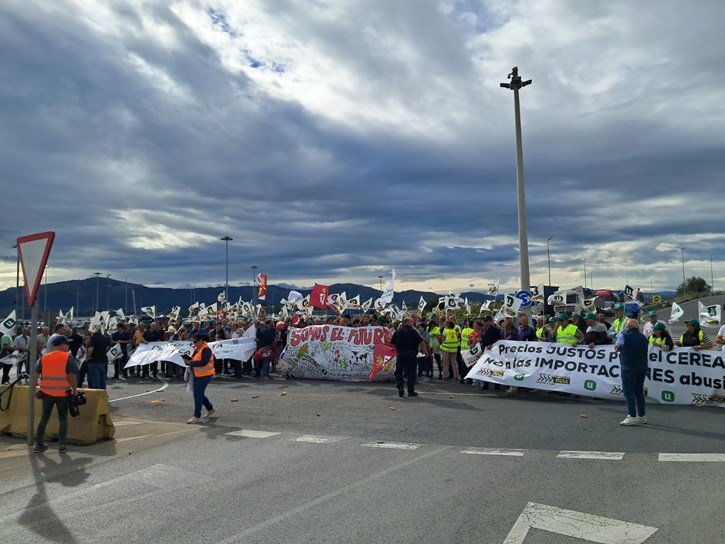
x,y
335,142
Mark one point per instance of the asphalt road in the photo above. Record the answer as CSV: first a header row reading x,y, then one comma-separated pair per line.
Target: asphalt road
x,y
309,461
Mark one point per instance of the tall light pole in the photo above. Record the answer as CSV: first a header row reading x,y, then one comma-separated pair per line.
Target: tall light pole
x,y
712,277
108,288
515,83
78,298
226,241
97,275
254,287
17,282
591,283
380,279
548,257
682,252
45,294
125,296
584,262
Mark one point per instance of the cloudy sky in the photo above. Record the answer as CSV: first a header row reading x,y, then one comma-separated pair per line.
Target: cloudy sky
x,y
336,139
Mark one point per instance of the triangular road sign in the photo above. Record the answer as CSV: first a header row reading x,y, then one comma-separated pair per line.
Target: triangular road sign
x,y
33,251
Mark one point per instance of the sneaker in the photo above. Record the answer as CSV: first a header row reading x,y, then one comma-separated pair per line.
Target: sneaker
x,y
40,448
629,420
62,448
641,419
210,413
412,394
193,420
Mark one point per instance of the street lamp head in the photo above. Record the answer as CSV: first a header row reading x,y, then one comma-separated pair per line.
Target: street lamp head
x,y
226,239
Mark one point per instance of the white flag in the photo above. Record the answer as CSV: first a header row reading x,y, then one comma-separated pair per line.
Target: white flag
x,y
421,304
294,296
387,296
588,305
354,303
511,305
403,306
676,313
174,313
365,306
467,306
193,309
8,324
119,313
149,310
221,297
485,306
709,315
247,309
114,353
211,310
493,287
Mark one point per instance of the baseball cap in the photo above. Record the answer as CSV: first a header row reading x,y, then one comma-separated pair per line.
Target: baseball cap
x,y
652,314
619,307
659,327
590,315
552,320
693,322
59,341
563,316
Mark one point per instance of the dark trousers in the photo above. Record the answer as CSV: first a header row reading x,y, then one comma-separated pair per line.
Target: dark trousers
x,y
406,362
48,403
82,372
6,373
437,357
633,389
199,396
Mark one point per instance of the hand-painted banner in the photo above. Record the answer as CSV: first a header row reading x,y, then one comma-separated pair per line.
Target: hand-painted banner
x,y
239,349
680,376
331,352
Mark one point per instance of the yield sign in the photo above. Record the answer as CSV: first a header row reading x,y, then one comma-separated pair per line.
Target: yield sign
x,y
33,251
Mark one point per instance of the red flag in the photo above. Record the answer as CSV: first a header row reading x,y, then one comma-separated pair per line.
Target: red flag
x,y
318,296
262,283
383,355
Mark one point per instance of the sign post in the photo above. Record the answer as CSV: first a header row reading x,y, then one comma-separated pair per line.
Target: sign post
x,y
33,250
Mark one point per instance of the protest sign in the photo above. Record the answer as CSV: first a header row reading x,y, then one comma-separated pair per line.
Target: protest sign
x,y
238,349
331,352
680,376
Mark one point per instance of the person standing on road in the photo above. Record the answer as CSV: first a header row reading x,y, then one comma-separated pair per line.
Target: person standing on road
x,y
6,349
660,338
56,372
407,341
647,330
449,347
632,348
22,349
201,363
97,360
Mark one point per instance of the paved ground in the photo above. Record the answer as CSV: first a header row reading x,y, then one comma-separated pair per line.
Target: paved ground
x,y
306,461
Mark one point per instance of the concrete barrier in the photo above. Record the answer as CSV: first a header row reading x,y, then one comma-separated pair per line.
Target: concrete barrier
x,y
92,424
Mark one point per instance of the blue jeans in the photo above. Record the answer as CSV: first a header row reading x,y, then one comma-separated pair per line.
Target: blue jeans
x,y
633,389
265,368
96,375
199,396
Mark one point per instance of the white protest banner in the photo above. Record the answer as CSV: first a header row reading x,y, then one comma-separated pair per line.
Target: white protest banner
x,y
238,349
8,324
680,376
330,352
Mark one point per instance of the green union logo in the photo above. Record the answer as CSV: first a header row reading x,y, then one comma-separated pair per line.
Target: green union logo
x,y
668,396
590,385
519,377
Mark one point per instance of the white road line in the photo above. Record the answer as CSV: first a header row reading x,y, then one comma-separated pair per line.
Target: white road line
x,y
576,524
314,439
142,394
391,445
604,455
247,433
494,451
693,457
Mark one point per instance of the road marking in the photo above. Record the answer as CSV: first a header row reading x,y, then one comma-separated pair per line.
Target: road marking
x,y
141,394
693,457
494,451
125,422
391,445
247,433
241,536
604,455
313,439
576,524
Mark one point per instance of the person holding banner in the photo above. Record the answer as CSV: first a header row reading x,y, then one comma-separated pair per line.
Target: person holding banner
x,y
201,364
660,338
632,348
6,349
694,336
